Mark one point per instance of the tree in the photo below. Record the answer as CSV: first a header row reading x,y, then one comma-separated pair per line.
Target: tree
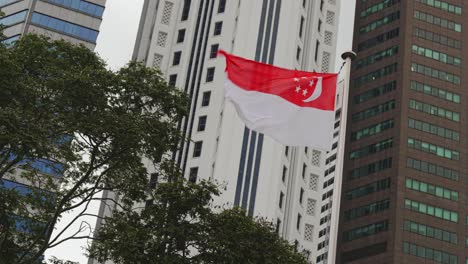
x,y
70,129
180,227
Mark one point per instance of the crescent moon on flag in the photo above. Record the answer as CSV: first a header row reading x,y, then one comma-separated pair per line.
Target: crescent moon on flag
x,y
317,92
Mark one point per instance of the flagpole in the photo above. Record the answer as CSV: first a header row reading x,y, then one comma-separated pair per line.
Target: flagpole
x,y
347,57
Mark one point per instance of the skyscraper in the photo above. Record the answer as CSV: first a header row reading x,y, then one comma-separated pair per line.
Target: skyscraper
x,y
76,21
284,184
404,182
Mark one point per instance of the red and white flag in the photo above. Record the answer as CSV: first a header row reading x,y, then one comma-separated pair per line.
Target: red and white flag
x,y
296,108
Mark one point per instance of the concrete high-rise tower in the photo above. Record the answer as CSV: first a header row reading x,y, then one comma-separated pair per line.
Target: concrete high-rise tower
x,y
404,194
76,21
284,184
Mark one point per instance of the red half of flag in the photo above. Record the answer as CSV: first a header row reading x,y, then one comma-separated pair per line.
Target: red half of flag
x,y
294,107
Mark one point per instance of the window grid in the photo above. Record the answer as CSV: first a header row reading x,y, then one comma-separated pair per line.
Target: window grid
x,y
371,188
434,110
434,91
429,231
429,253
443,23
431,189
433,129
380,22
433,149
370,168
436,55
431,168
371,149
431,210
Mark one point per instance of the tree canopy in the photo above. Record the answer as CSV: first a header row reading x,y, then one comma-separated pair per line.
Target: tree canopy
x,y
70,129
180,226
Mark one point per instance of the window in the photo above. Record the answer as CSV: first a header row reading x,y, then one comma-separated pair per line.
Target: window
x,y
278,225
281,198
298,53
436,55
371,149
214,51
379,39
301,196
435,73
80,5
433,129
376,57
443,23
301,26
304,3
201,123
206,98
429,231
373,76
298,223
65,27
433,169
186,10
427,209
431,189
181,35
437,38
221,6
197,148
6,2
153,180
319,27
372,130
434,110
442,5
217,28
176,59
364,231
317,46
380,22
304,168
370,168
429,253
285,172
375,92
433,149
286,151
13,19
210,74
378,7
368,189
19,188
172,79
193,174
8,42
321,5
434,91
373,111
368,209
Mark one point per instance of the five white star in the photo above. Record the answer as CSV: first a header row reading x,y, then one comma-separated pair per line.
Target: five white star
x,y
296,79
304,92
311,83
298,88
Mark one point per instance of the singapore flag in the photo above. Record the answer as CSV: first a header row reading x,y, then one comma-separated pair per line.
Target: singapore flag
x,y
296,108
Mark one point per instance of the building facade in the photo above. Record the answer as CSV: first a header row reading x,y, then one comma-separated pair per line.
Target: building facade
x,y
404,196
284,184
76,21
